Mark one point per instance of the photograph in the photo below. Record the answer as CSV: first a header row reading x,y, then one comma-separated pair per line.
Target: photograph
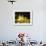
x,y
23,18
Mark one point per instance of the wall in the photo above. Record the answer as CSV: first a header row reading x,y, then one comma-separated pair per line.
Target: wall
x,y
9,31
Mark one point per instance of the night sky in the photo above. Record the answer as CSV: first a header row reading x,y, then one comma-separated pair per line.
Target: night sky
x,y
25,14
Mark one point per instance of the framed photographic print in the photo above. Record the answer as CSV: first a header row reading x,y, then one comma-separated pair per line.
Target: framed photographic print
x,y
23,18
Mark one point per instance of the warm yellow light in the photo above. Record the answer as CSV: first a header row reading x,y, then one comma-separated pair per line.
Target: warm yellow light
x,y
22,19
